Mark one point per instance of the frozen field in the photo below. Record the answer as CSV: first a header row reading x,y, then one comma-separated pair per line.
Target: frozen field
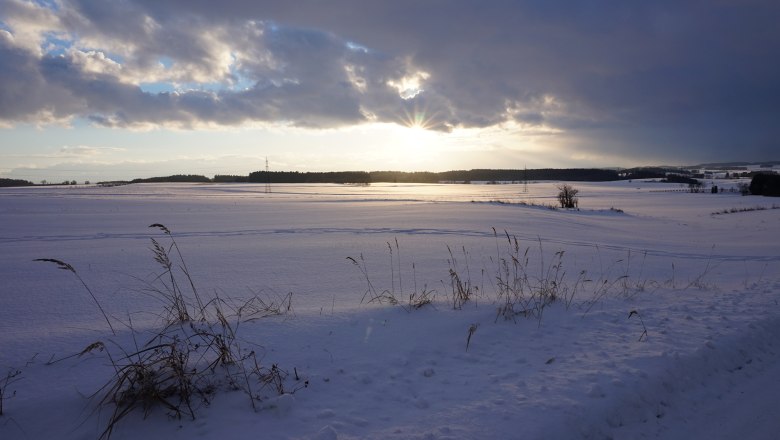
x,y
700,358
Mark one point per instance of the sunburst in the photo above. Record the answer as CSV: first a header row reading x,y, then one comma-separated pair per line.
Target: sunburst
x,y
418,118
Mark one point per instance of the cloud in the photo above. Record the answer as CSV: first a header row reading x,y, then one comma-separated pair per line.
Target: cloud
x,y
120,169
77,153
618,78
80,151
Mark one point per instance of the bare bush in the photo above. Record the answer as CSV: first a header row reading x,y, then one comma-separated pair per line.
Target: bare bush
x,y
567,196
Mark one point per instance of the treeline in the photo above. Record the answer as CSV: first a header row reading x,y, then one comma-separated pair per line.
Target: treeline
x,y
177,178
765,183
568,174
463,176
677,178
229,178
310,177
14,182
486,175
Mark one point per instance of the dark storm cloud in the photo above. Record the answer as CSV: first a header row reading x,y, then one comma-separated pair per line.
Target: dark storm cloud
x,y
644,79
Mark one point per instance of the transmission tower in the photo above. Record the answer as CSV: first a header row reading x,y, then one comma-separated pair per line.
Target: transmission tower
x,y
267,177
525,179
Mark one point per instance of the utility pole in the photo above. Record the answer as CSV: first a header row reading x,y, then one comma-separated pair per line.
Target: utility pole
x,y
525,179
267,177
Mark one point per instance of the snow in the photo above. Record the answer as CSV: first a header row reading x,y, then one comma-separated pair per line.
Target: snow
x,y
704,287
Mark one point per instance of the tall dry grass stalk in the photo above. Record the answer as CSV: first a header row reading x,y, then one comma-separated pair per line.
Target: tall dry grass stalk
x,y
12,376
418,298
65,266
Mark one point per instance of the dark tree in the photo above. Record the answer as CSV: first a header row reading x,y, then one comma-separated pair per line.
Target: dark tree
x,y
766,185
567,196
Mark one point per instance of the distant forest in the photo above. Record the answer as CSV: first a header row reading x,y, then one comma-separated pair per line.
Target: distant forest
x,y
465,176
189,178
763,182
364,177
672,175
14,182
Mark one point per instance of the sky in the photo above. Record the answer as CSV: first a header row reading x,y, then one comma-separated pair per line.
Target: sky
x,y
110,89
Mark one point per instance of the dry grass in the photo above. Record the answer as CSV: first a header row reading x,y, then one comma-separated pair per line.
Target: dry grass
x,y
641,321
12,376
518,291
371,294
524,203
461,288
526,281
747,209
196,352
178,307
472,329
65,266
417,299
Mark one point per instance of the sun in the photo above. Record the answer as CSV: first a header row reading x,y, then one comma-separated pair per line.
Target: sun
x,y
418,119
414,140
415,136
415,145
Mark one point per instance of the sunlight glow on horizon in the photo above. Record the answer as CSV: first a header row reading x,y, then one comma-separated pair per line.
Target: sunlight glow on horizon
x,y
63,153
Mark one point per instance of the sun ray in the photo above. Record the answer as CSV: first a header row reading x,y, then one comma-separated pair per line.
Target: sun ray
x,y
419,117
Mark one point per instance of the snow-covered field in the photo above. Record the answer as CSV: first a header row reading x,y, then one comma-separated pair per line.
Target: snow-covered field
x,y
699,358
